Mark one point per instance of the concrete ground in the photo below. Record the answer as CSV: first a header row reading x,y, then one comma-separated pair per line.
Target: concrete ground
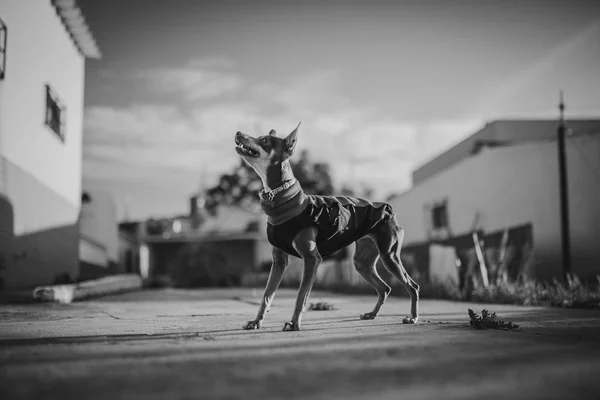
x,y
189,344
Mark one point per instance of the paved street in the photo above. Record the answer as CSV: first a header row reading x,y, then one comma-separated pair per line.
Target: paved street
x,y
189,344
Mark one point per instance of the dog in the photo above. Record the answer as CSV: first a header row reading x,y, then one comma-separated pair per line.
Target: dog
x,y
311,227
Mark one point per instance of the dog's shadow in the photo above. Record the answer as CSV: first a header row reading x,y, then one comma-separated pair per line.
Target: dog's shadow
x,y
332,324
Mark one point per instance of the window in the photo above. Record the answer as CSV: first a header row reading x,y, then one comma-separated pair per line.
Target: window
x,y
3,34
437,220
177,225
86,198
55,113
439,216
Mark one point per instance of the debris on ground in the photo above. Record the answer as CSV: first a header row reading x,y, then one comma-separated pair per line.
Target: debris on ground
x,y
489,320
321,306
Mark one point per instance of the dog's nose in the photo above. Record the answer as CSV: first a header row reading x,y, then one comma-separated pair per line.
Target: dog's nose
x,y
238,133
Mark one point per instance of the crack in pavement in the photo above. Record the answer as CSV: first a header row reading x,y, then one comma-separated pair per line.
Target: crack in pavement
x,y
237,298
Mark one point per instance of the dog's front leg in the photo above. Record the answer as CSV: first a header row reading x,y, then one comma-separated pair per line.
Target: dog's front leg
x,y
280,262
306,245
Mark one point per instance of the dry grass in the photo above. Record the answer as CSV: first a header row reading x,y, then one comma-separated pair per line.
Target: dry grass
x,y
321,306
571,294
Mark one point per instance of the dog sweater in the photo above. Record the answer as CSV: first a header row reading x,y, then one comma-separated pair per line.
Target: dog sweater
x,y
341,220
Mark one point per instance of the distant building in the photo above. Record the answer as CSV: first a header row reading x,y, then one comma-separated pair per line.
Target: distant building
x,y
504,178
43,48
99,242
201,248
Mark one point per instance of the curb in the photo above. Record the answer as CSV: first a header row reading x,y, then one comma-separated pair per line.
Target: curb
x,y
66,294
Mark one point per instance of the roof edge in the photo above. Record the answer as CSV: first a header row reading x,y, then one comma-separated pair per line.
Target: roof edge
x,y
463,140
75,24
493,124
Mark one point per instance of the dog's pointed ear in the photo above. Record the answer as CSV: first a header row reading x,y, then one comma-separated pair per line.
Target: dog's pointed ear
x,y
272,133
289,143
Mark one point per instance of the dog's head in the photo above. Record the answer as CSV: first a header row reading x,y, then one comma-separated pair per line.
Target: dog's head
x,y
264,151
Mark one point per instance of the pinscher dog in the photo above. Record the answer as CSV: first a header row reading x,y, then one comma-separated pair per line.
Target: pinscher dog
x,y
312,227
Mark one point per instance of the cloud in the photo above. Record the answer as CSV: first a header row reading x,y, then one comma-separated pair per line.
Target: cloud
x,y
200,79
146,136
159,140
108,124
212,62
509,93
310,94
436,136
383,152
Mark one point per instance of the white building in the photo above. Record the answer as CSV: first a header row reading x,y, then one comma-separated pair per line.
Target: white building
x,y
98,234
43,48
505,176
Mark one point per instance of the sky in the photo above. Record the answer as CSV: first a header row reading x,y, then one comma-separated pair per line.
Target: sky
x,y
380,86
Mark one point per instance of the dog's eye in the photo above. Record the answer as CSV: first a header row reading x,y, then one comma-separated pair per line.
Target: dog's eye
x,y
265,140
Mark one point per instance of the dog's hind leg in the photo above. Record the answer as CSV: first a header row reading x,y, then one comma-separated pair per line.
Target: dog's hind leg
x,y
280,262
389,237
365,261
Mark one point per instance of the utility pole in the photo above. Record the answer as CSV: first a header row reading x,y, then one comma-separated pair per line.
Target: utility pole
x,y
564,191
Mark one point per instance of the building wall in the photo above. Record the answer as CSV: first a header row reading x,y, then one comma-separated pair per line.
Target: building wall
x,y
40,52
98,221
512,186
128,261
93,253
38,256
584,201
40,175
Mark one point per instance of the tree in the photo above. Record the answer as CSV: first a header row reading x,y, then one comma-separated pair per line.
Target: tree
x,y
314,178
241,186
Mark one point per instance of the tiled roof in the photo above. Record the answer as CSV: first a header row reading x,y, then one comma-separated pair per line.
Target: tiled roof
x,y
74,21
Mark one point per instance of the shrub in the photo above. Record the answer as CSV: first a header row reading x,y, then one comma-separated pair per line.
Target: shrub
x,y
571,294
489,320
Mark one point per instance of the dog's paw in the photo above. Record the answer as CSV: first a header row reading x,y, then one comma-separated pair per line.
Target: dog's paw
x,y
253,325
291,326
410,320
369,315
